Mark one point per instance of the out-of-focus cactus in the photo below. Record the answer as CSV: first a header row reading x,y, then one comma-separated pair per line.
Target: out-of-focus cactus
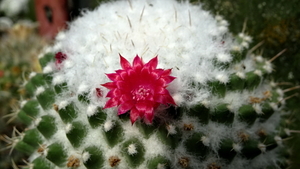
x,y
19,47
105,100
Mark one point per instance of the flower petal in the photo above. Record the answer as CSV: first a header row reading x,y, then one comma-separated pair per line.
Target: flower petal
x,y
114,93
168,79
109,85
137,63
124,63
111,103
123,74
125,98
164,99
134,115
122,85
152,64
113,76
124,107
166,72
141,108
149,114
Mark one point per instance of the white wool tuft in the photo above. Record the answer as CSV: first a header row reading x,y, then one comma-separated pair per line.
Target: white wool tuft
x,y
91,110
131,149
257,109
171,129
224,57
205,140
68,128
48,69
258,72
241,75
278,140
32,74
59,79
63,104
39,90
222,77
83,88
85,156
262,147
108,125
237,147
22,103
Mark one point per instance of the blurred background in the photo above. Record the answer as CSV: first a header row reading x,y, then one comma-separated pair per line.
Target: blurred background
x,y
27,26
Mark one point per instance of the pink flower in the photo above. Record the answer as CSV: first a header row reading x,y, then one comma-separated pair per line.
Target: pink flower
x,y
139,88
59,58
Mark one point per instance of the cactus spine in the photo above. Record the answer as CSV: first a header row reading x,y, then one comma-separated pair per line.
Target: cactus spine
x,y
227,113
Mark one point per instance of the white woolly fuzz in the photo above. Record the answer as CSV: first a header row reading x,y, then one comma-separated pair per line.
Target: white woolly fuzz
x,y
237,147
262,147
32,74
268,67
259,58
241,35
236,48
108,125
205,140
85,156
287,131
257,108
91,110
83,88
280,92
39,90
161,166
22,103
224,57
274,106
219,18
57,46
223,78
37,121
278,140
48,69
131,149
60,36
258,72
68,128
223,29
68,64
241,75
245,44
171,129
63,104
248,38
178,98
59,79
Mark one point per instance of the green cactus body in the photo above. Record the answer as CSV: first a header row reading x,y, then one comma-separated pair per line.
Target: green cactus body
x,y
227,114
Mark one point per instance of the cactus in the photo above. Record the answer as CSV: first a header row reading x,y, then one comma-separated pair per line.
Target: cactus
x,y
19,48
153,84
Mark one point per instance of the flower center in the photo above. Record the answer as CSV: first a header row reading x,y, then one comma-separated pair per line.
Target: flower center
x,y
141,93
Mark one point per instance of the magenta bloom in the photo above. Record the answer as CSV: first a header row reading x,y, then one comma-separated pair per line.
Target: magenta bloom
x,y
139,88
59,58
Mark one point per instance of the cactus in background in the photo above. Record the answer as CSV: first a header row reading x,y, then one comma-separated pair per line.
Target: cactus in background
x,y
19,48
105,100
